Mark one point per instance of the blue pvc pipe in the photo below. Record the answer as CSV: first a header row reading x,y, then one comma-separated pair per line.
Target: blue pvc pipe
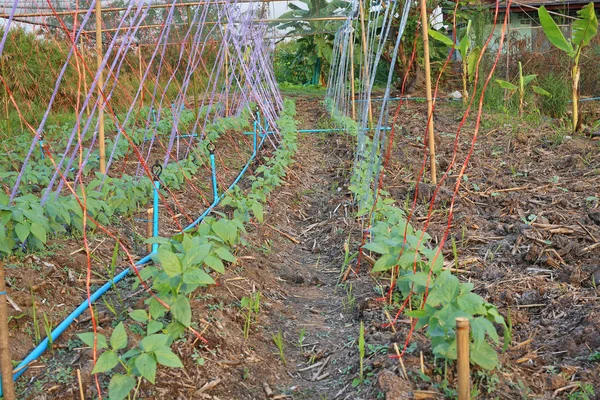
x,y
338,129
401,98
39,350
213,169
156,186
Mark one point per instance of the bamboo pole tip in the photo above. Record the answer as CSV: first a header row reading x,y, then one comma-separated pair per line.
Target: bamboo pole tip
x,y
150,211
462,322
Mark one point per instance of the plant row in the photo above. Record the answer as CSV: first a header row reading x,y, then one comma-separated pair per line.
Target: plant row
x,y
25,223
184,264
417,270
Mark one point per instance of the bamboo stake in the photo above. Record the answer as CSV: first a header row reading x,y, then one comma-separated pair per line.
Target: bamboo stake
x,y
5,95
139,51
100,85
352,74
365,63
226,72
425,26
8,387
194,84
462,339
85,76
149,228
81,394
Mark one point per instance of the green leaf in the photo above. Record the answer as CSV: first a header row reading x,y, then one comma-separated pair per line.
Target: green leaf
x,y
118,339
225,254
541,91
553,32
154,326
484,355
420,278
385,262
88,339
156,309
257,210
472,62
146,365
445,290
586,27
377,247
440,37
215,263
166,357
182,310
153,342
506,85
120,386
225,230
38,231
196,276
471,303
107,361
170,263
465,42
528,78
480,326
139,315
22,231
196,254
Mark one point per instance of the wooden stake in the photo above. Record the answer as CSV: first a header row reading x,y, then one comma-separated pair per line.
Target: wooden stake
x,y
6,369
5,95
425,28
366,78
149,228
100,84
81,394
462,341
194,84
352,74
226,72
139,51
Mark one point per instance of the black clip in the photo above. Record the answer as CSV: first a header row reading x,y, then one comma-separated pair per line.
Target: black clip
x,y
157,170
211,148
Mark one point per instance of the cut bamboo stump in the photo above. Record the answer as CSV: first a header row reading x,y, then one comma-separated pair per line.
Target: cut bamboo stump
x,y
8,387
462,341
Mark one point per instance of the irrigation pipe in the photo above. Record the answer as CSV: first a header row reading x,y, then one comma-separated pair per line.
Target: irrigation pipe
x,y
84,306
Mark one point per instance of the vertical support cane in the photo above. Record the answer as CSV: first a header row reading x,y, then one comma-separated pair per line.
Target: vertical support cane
x,y
213,168
462,342
156,171
8,388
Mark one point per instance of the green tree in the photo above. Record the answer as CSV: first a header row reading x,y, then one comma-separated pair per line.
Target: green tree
x,y
314,29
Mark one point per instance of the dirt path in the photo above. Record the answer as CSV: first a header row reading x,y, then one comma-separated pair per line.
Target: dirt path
x,y
297,273
315,207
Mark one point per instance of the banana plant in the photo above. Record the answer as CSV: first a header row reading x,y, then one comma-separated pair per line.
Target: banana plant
x,y
524,80
469,58
583,30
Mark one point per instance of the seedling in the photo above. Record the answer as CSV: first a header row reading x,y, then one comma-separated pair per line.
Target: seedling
x,y
278,340
361,348
301,337
250,310
455,253
350,300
